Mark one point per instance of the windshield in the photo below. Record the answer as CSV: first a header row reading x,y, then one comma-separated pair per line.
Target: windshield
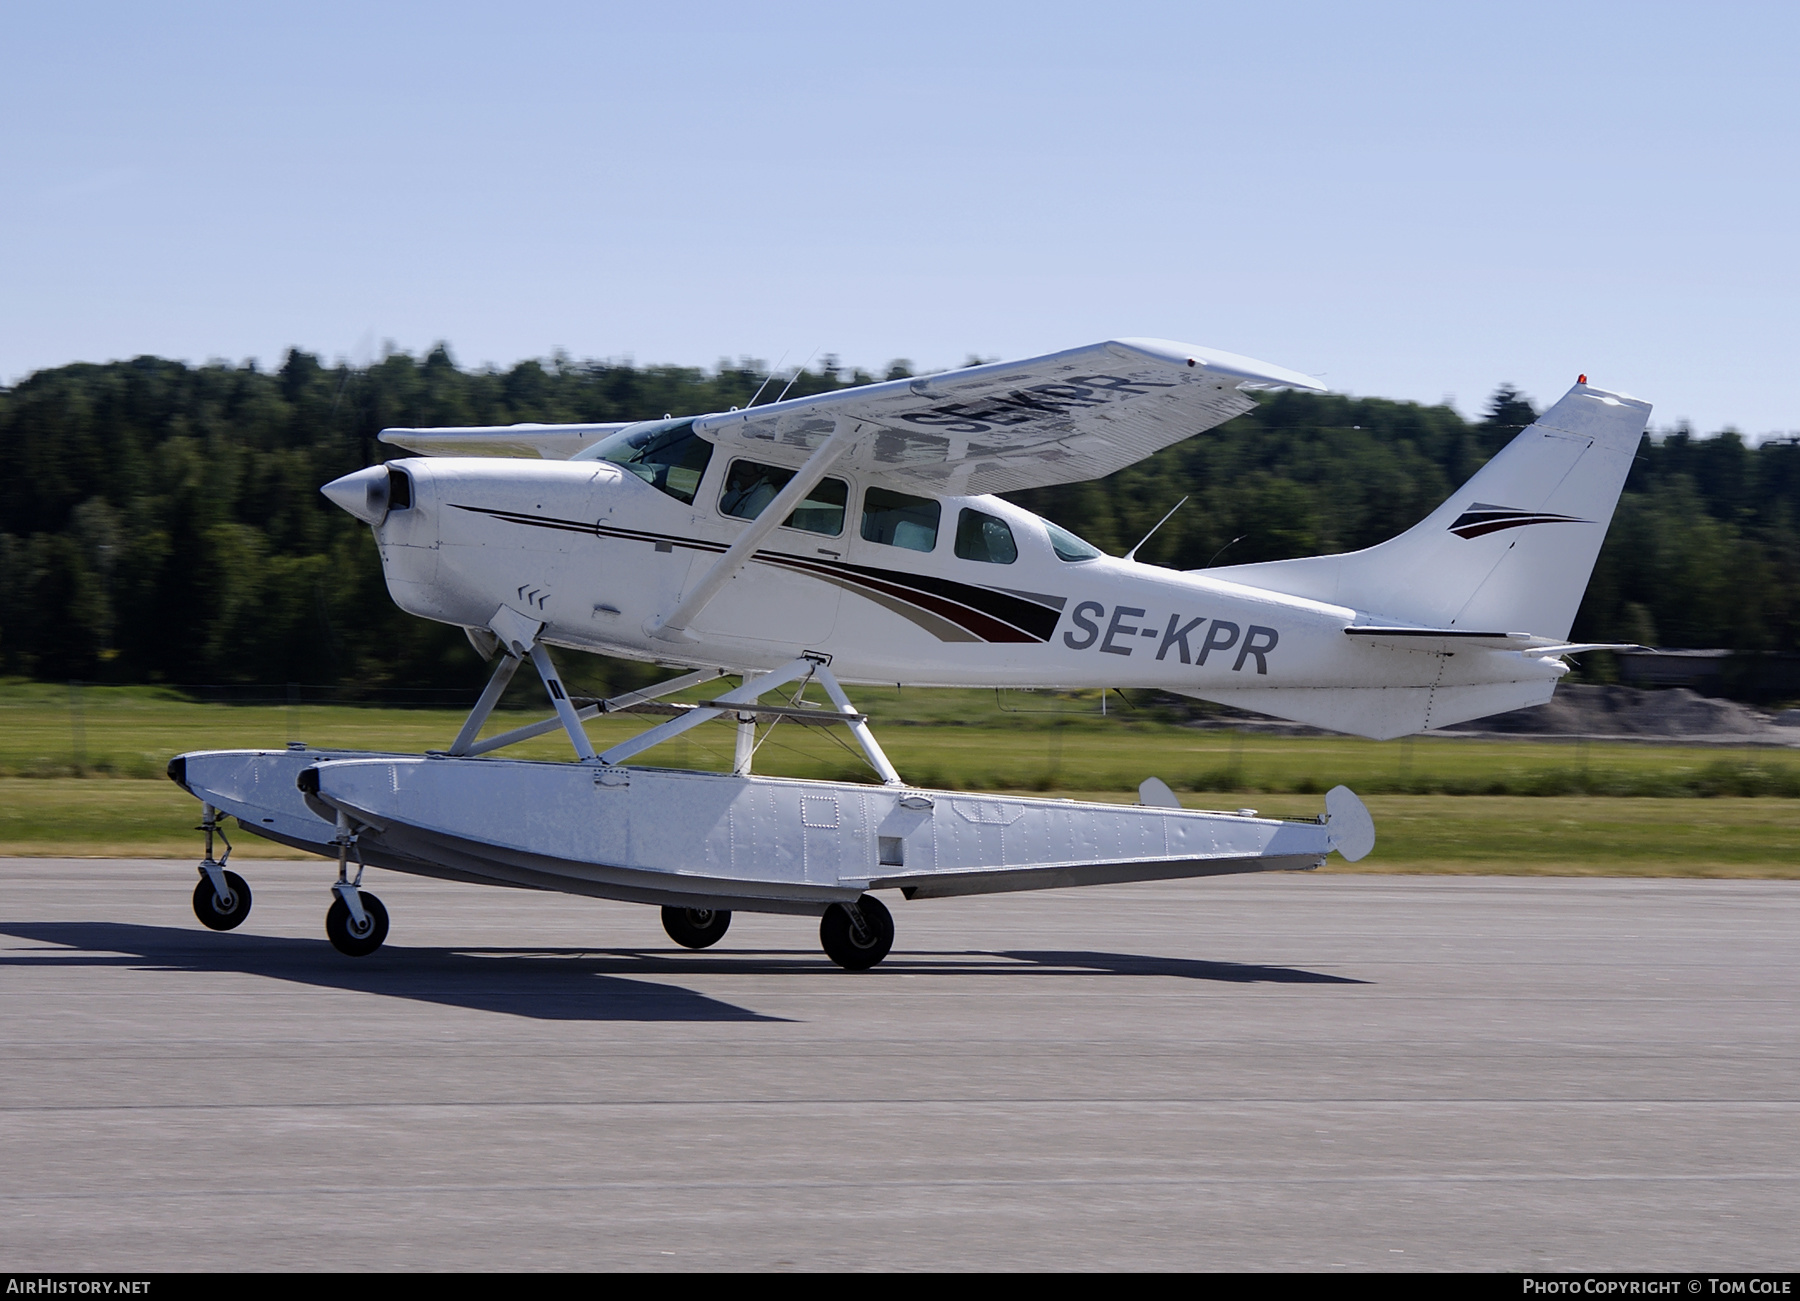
x,y
1068,546
666,454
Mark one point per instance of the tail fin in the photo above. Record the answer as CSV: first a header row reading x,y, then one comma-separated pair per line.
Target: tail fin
x,y
1510,551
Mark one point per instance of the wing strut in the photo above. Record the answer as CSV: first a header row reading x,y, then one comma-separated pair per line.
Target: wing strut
x,y
673,625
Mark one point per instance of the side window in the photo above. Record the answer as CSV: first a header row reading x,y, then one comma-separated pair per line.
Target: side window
x,y
749,488
984,537
898,520
666,454
1069,547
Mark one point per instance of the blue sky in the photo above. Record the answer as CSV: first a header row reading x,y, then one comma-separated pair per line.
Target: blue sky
x,y
1414,201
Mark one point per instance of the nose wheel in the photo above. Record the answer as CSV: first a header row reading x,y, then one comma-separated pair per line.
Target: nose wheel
x,y
352,936
222,912
696,928
857,936
222,898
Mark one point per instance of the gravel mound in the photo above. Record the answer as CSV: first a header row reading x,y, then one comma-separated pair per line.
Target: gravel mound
x,y
1670,714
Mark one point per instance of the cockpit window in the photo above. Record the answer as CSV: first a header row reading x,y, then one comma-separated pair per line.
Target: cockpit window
x,y
1069,547
666,454
899,520
984,537
750,487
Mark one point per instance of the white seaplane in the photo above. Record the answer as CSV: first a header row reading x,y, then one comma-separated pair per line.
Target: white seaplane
x,y
853,537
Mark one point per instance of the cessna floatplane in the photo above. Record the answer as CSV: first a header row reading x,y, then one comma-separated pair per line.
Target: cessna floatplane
x,y
854,537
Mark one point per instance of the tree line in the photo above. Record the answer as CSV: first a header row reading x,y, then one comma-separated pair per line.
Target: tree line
x,y
161,522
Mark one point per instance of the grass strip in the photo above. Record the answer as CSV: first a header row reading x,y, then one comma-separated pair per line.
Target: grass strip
x,y
959,739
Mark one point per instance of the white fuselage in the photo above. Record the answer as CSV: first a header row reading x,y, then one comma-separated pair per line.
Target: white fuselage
x,y
598,555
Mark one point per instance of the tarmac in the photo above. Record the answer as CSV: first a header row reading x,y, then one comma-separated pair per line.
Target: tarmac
x,y
1307,1072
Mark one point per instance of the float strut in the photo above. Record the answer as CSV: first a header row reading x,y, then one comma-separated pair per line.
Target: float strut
x,y
746,737
578,737
490,696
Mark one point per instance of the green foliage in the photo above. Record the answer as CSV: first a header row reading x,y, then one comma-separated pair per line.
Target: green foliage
x,y
1300,475
162,523
1704,549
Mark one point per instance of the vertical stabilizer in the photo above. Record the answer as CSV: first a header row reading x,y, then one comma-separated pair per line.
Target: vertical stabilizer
x,y
1510,551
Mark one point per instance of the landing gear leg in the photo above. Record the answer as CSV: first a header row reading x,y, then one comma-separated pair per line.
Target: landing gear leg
x,y
696,928
357,922
221,899
857,935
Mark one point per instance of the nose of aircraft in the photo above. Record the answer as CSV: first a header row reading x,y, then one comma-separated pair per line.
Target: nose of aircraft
x,y
364,494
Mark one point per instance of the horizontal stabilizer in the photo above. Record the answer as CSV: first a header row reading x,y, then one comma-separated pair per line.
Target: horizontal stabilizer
x,y
1442,640
1575,648
1447,641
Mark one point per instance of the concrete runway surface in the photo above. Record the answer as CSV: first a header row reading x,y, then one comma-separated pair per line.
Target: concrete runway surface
x,y
1293,1072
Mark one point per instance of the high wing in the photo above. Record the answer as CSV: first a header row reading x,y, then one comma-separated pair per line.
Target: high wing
x,y
550,442
1061,418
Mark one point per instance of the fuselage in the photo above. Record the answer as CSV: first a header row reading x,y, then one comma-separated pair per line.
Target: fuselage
x,y
944,591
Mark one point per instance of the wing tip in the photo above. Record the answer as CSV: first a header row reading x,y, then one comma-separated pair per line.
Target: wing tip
x,y
1246,370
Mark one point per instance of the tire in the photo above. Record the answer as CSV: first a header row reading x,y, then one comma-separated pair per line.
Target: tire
x,y
845,945
206,903
696,928
337,927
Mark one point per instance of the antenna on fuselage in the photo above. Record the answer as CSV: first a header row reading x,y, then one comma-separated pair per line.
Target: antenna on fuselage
x,y
797,374
1222,550
765,384
1132,554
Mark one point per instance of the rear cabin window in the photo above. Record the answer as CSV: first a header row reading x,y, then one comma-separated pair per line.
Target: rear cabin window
x,y
980,536
666,454
750,487
895,519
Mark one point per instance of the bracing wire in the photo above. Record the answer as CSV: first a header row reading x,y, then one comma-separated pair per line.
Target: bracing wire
x,y
795,378
766,380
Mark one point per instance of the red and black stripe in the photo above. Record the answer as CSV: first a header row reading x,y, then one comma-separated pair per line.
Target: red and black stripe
x,y
986,614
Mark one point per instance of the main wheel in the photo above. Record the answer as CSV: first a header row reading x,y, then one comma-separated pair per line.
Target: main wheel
x,y
222,914
853,947
696,928
343,934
